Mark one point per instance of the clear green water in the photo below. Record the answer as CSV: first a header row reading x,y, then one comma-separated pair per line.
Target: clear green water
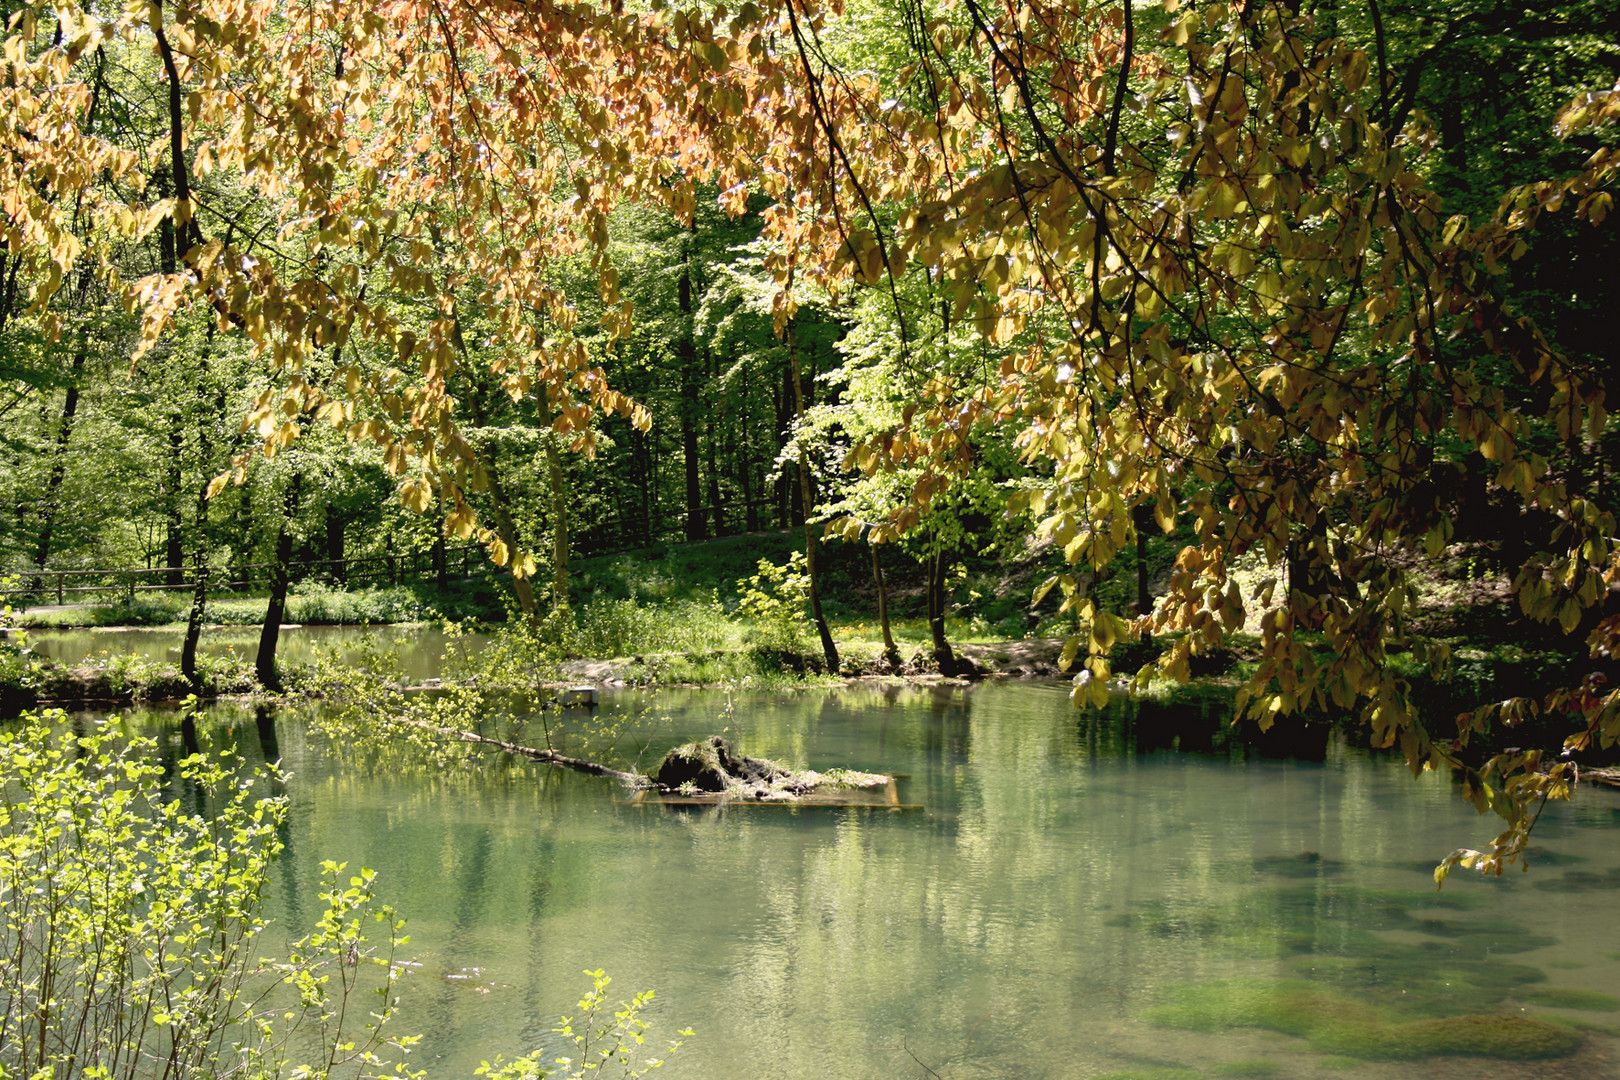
x,y
1069,873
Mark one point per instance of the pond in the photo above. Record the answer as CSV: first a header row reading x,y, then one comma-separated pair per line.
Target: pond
x,y
1081,895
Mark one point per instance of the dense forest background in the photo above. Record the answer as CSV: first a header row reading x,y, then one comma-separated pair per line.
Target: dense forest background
x,y
105,459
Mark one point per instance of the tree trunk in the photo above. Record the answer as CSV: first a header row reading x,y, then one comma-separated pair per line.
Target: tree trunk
x,y
783,398
334,543
644,466
714,422
559,525
696,526
505,527
891,652
199,595
174,547
270,632
828,649
691,407
938,566
745,464
715,505
53,483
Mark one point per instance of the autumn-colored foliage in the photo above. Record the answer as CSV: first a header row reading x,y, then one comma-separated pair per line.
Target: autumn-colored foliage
x,y
1213,286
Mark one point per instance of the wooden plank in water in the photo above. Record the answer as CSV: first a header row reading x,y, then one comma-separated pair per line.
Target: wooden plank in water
x,y
886,797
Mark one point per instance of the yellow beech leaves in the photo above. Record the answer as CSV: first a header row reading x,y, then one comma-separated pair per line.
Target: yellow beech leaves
x,y
1214,291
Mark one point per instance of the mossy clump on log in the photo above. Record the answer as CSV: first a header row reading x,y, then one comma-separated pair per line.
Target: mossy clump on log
x,y
713,766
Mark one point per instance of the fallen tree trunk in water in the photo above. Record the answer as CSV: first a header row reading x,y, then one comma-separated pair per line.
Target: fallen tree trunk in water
x,y
710,769
533,753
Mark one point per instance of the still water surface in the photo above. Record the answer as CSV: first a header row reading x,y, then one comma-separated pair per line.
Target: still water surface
x,y
1068,873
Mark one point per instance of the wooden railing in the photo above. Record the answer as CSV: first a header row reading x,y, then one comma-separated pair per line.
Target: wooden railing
x,y
39,584
612,535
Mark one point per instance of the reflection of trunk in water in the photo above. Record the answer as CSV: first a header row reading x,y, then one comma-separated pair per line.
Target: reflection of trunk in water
x,y
264,723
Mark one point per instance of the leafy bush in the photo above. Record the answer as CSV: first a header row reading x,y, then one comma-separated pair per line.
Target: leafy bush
x,y
315,602
621,627
132,924
131,932
16,658
601,1036
774,599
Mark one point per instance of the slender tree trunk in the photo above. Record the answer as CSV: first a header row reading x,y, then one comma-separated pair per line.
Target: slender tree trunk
x,y
505,527
782,398
828,649
242,546
714,422
559,525
441,560
199,593
334,544
745,472
696,525
280,573
644,531
891,652
745,464
944,656
715,505
174,547
174,554
53,482
686,355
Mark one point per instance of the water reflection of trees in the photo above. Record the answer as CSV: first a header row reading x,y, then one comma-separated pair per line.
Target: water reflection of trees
x,y
999,913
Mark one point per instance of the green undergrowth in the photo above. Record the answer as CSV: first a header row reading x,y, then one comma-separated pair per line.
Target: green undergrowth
x,y
751,668
989,595
122,679
1339,1024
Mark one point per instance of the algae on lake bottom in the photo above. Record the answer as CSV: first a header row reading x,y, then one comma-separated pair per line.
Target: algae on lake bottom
x,y
1561,998
1337,1024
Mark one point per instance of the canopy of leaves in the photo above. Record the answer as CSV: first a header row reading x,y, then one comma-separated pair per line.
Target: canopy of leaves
x,y
1203,247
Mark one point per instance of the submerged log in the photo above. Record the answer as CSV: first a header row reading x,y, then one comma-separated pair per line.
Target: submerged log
x,y
533,753
712,770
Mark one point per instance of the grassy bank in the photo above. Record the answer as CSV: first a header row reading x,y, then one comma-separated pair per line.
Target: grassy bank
x,y
308,603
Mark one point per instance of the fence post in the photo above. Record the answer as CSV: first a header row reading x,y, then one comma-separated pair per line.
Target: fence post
x,y
59,599
132,590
